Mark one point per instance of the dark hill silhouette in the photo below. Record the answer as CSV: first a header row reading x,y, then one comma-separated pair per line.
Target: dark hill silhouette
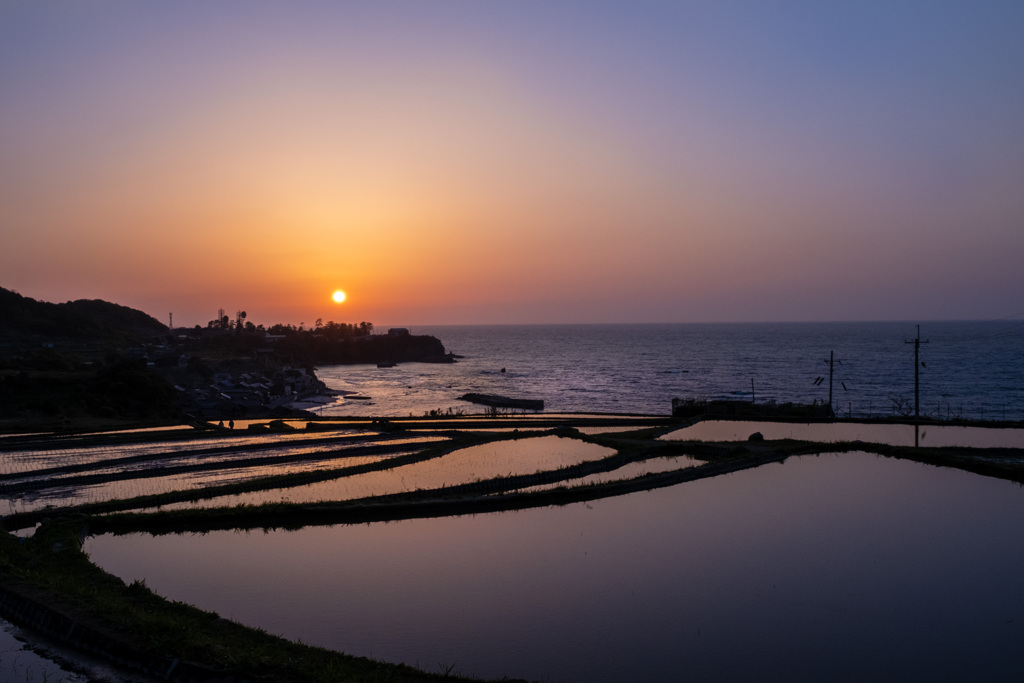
x,y
96,359
22,317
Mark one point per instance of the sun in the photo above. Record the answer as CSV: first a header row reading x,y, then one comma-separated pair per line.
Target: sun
x,y
338,296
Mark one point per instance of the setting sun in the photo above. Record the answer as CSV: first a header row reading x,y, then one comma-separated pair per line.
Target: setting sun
x,y
338,296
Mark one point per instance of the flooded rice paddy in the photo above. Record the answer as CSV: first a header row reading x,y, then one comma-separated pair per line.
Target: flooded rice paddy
x,y
126,466
64,453
787,571
938,436
463,466
20,662
627,471
133,488
36,479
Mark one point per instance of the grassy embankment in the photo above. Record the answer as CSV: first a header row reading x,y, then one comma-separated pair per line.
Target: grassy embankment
x,y
145,633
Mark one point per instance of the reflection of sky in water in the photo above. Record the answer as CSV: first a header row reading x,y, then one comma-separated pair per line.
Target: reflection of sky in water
x,y
145,486
26,460
628,471
19,663
131,488
476,463
850,567
892,434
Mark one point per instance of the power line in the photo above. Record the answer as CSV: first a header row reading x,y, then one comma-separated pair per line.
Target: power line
x,y
831,373
1008,331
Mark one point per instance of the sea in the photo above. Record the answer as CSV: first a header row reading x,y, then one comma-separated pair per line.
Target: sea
x,y
964,369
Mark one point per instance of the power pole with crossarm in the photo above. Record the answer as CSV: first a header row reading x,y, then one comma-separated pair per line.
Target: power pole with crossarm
x,y
917,383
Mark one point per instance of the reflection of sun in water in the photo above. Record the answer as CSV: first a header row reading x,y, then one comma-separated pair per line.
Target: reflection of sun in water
x,y
338,296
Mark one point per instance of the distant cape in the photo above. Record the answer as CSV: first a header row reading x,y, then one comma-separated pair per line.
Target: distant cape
x,y
24,318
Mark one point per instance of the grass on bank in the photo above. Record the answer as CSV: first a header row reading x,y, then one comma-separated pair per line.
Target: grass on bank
x,y
50,566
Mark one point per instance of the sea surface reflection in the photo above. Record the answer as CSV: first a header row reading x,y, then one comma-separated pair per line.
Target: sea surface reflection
x,y
839,567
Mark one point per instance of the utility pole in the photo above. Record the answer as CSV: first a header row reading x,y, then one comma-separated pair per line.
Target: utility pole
x,y
831,361
831,371
917,383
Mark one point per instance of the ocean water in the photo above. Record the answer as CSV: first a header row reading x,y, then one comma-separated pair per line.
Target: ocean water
x,y
972,370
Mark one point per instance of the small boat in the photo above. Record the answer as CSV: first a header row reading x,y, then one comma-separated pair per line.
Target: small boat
x,y
386,364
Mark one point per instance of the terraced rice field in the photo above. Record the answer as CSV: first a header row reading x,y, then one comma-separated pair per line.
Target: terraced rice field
x,y
463,466
36,479
628,471
184,469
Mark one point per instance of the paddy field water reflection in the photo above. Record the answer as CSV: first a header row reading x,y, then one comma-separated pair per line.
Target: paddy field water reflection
x,y
628,471
845,567
35,479
507,458
19,661
831,432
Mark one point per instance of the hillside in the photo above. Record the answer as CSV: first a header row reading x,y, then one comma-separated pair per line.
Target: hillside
x,y
92,358
24,318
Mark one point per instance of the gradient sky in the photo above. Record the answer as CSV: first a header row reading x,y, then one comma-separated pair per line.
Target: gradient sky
x,y
516,162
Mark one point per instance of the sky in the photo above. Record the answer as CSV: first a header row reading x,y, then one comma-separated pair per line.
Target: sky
x,y
478,162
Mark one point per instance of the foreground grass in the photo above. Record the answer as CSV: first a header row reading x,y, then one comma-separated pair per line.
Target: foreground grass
x,y
51,569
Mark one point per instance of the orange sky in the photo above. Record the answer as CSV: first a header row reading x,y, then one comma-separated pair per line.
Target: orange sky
x,y
513,162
